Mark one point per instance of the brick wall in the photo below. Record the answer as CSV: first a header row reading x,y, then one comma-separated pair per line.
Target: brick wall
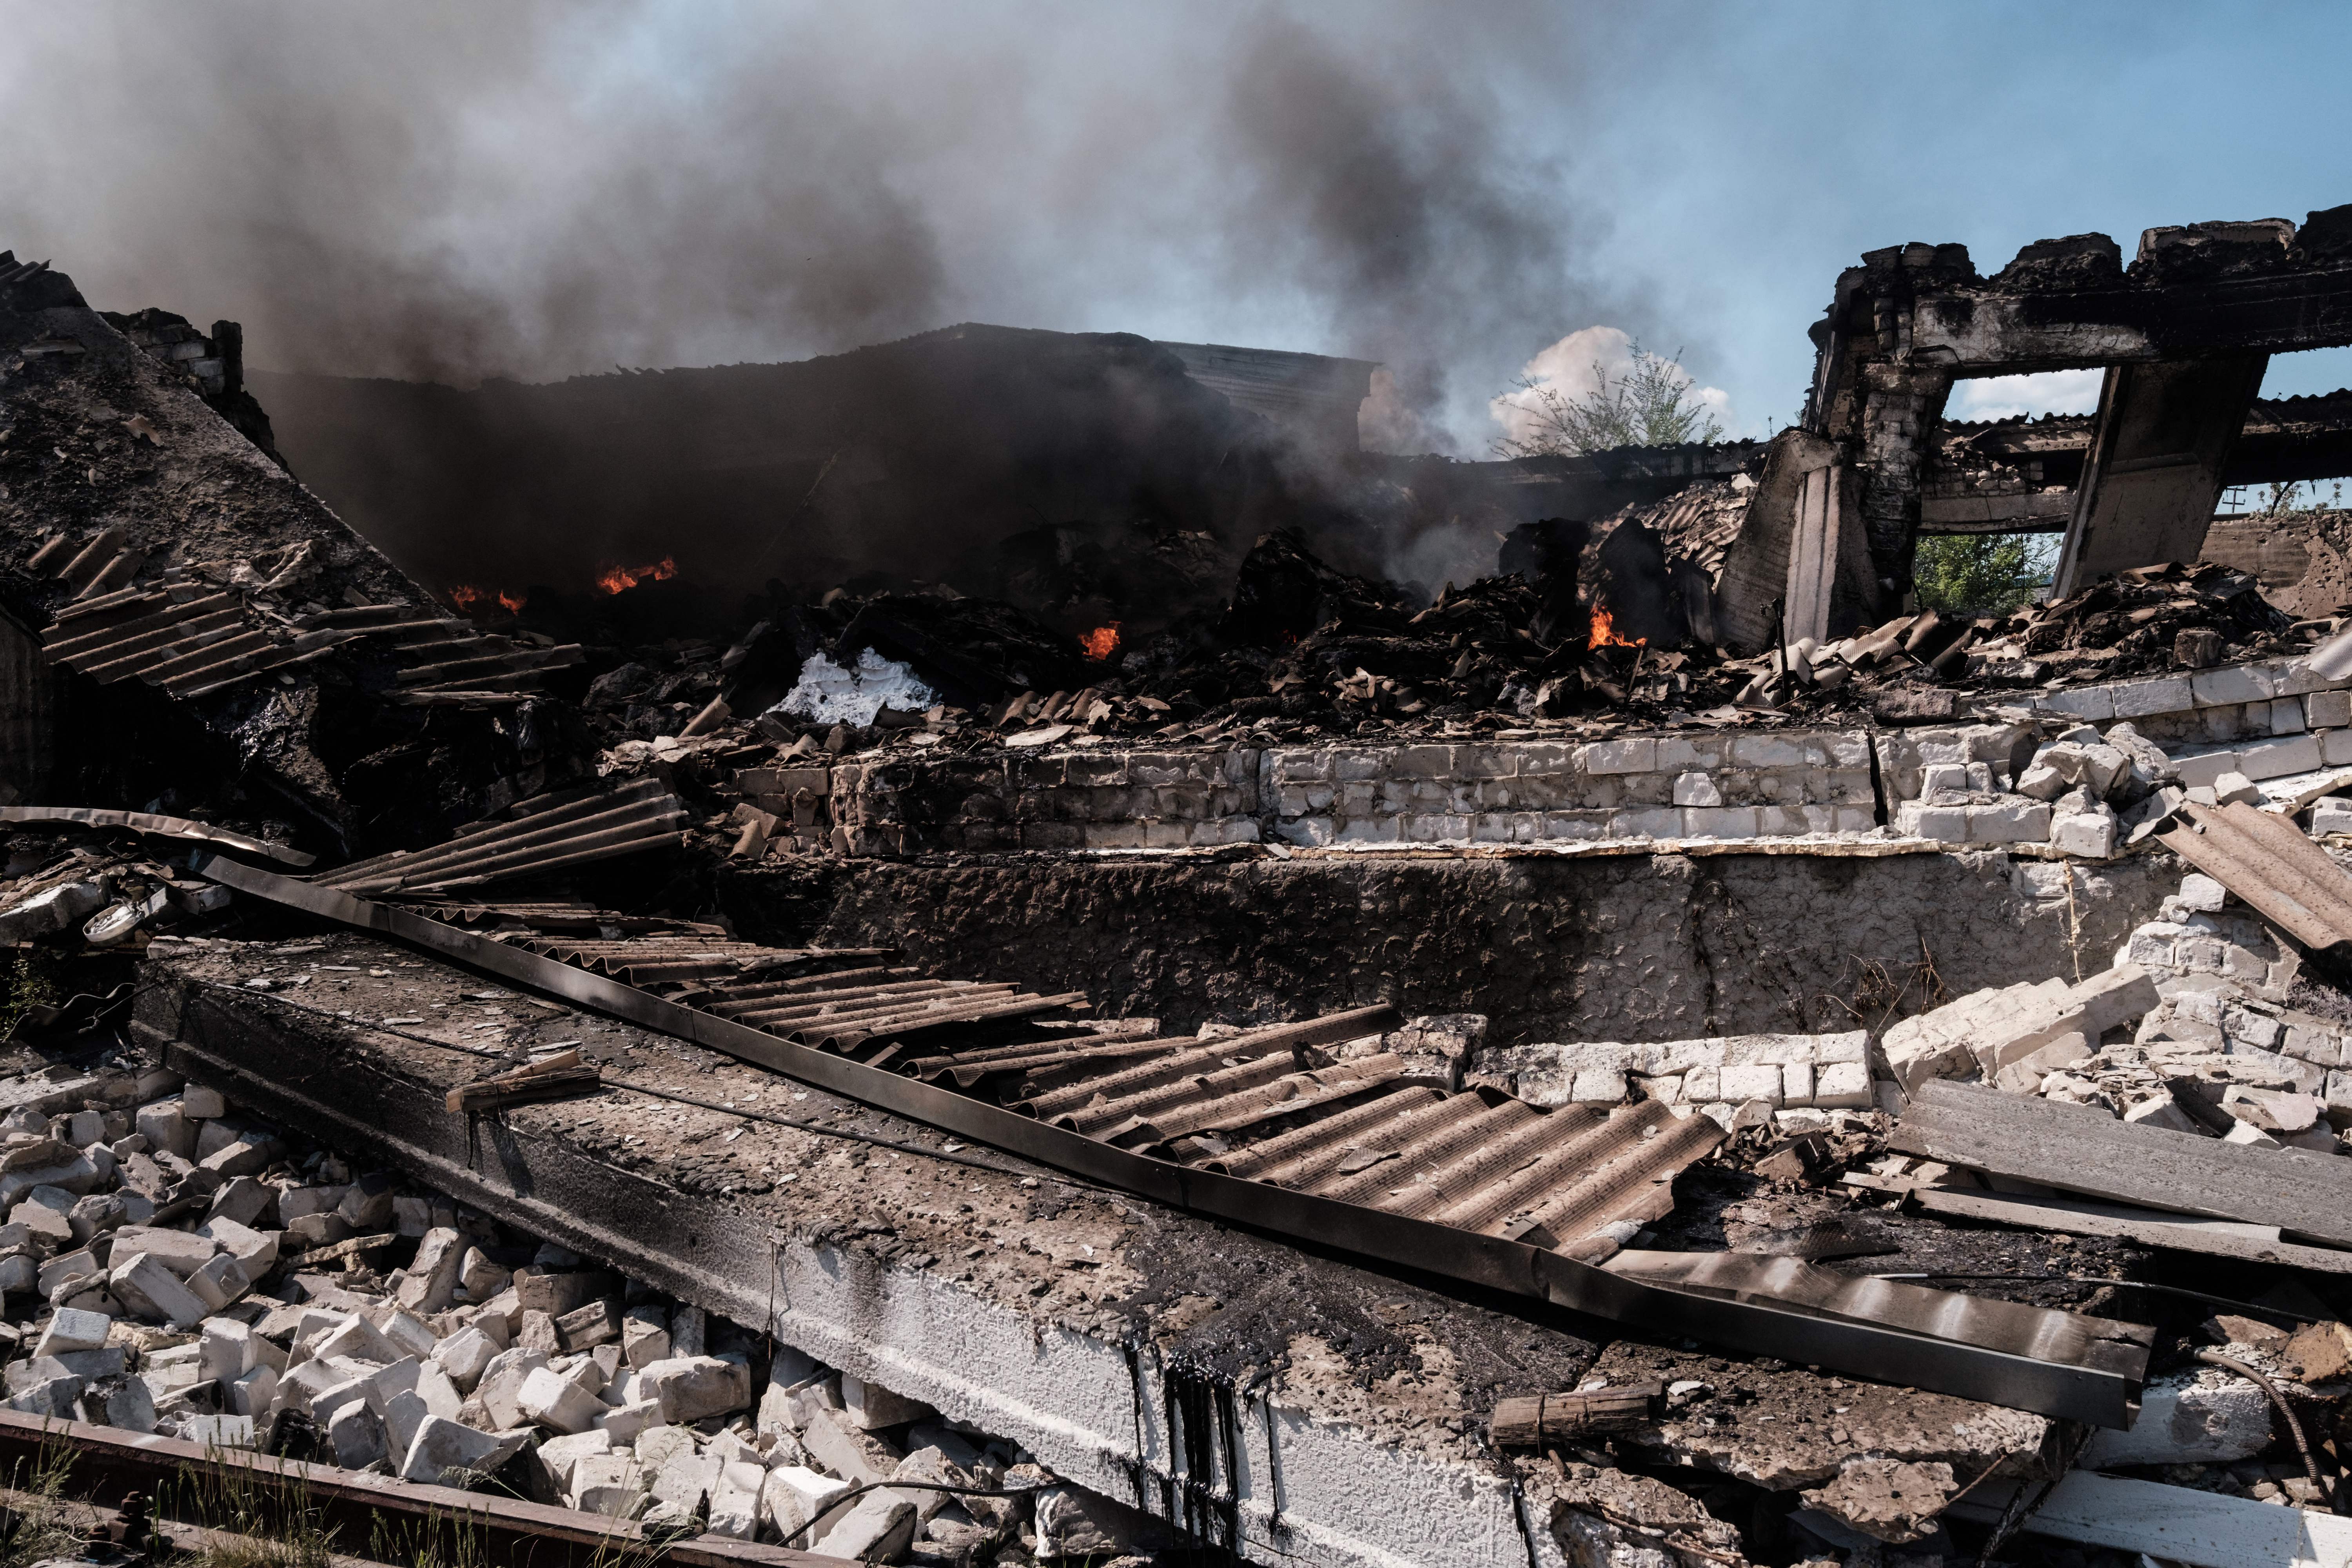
x,y
1526,792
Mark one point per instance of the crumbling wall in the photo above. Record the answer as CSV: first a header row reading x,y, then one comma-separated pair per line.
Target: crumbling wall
x,y
1621,947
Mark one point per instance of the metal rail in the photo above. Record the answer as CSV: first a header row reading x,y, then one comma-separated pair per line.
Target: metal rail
x,y
2056,1363
109,1463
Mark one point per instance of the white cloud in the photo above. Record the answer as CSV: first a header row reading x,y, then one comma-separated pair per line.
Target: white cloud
x,y
1573,367
2007,396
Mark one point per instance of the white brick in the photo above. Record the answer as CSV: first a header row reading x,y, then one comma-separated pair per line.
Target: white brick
x,y
1842,1086
1751,1083
1696,789
1596,1087
1944,824
1629,756
1719,822
2089,834
2096,703
1797,1083
2327,710
2026,821
2276,759
2238,683
2140,699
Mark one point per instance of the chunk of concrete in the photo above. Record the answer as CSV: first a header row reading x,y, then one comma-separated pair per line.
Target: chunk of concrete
x,y
480,1278
556,1458
735,1500
152,1292
219,1282
2189,1418
464,1355
795,1497
553,1400
685,1480
843,1446
1074,1522
431,1282
609,1483
181,1251
362,1341
69,1329
872,1407
625,1421
879,1529
645,1336
356,1433
253,1391
167,1128
692,1388
447,1454
255,1251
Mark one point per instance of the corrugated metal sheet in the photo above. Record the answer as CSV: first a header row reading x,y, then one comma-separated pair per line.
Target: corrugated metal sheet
x,y
545,834
193,637
2266,860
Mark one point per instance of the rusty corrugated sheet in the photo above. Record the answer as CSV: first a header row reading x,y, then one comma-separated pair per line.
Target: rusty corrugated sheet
x,y
193,637
542,835
2266,860
1270,1106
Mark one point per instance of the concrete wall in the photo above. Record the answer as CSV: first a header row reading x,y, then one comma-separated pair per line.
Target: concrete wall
x,y
1626,947
1700,785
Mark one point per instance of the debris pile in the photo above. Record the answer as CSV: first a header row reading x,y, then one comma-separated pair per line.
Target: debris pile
x,y
175,1267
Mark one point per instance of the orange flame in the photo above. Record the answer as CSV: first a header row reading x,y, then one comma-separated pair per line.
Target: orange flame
x,y
1100,643
1604,633
620,579
466,597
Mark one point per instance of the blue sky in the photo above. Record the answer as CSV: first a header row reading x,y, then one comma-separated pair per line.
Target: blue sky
x,y
541,189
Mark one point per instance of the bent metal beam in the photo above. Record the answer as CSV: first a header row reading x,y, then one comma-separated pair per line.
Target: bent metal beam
x,y
2055,1364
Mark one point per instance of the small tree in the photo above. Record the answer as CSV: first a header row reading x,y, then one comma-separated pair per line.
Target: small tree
x,y
1982,573
1649,405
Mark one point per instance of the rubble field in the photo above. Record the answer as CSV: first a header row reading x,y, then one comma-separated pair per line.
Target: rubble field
x,y
1043,1010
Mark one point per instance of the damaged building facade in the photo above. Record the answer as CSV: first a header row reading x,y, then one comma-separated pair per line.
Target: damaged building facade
x,y
1147,1040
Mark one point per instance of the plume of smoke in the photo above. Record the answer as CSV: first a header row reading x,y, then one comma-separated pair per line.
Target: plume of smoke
x,y
443,190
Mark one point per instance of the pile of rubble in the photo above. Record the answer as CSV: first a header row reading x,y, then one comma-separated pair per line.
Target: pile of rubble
x,y
2195,1029
172,1267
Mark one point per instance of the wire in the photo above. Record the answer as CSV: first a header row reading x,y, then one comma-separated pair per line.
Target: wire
x,y
831,1501
2120,1284
2301,1445
876,1140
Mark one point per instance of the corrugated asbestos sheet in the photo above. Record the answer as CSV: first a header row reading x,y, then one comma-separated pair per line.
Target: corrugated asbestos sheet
x,y
1319,1108
2266,860
193,637
547,833
1316,1107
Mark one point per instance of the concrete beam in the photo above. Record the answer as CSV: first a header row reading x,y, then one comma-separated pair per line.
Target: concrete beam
x,y
2158,449
1981,331
1345,1406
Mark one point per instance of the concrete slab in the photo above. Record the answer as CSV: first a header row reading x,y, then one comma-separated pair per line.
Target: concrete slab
x,y
1078,1322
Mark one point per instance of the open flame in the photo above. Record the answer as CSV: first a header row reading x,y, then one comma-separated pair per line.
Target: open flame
x,y
1604,632
1100,643
621,579
466,597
